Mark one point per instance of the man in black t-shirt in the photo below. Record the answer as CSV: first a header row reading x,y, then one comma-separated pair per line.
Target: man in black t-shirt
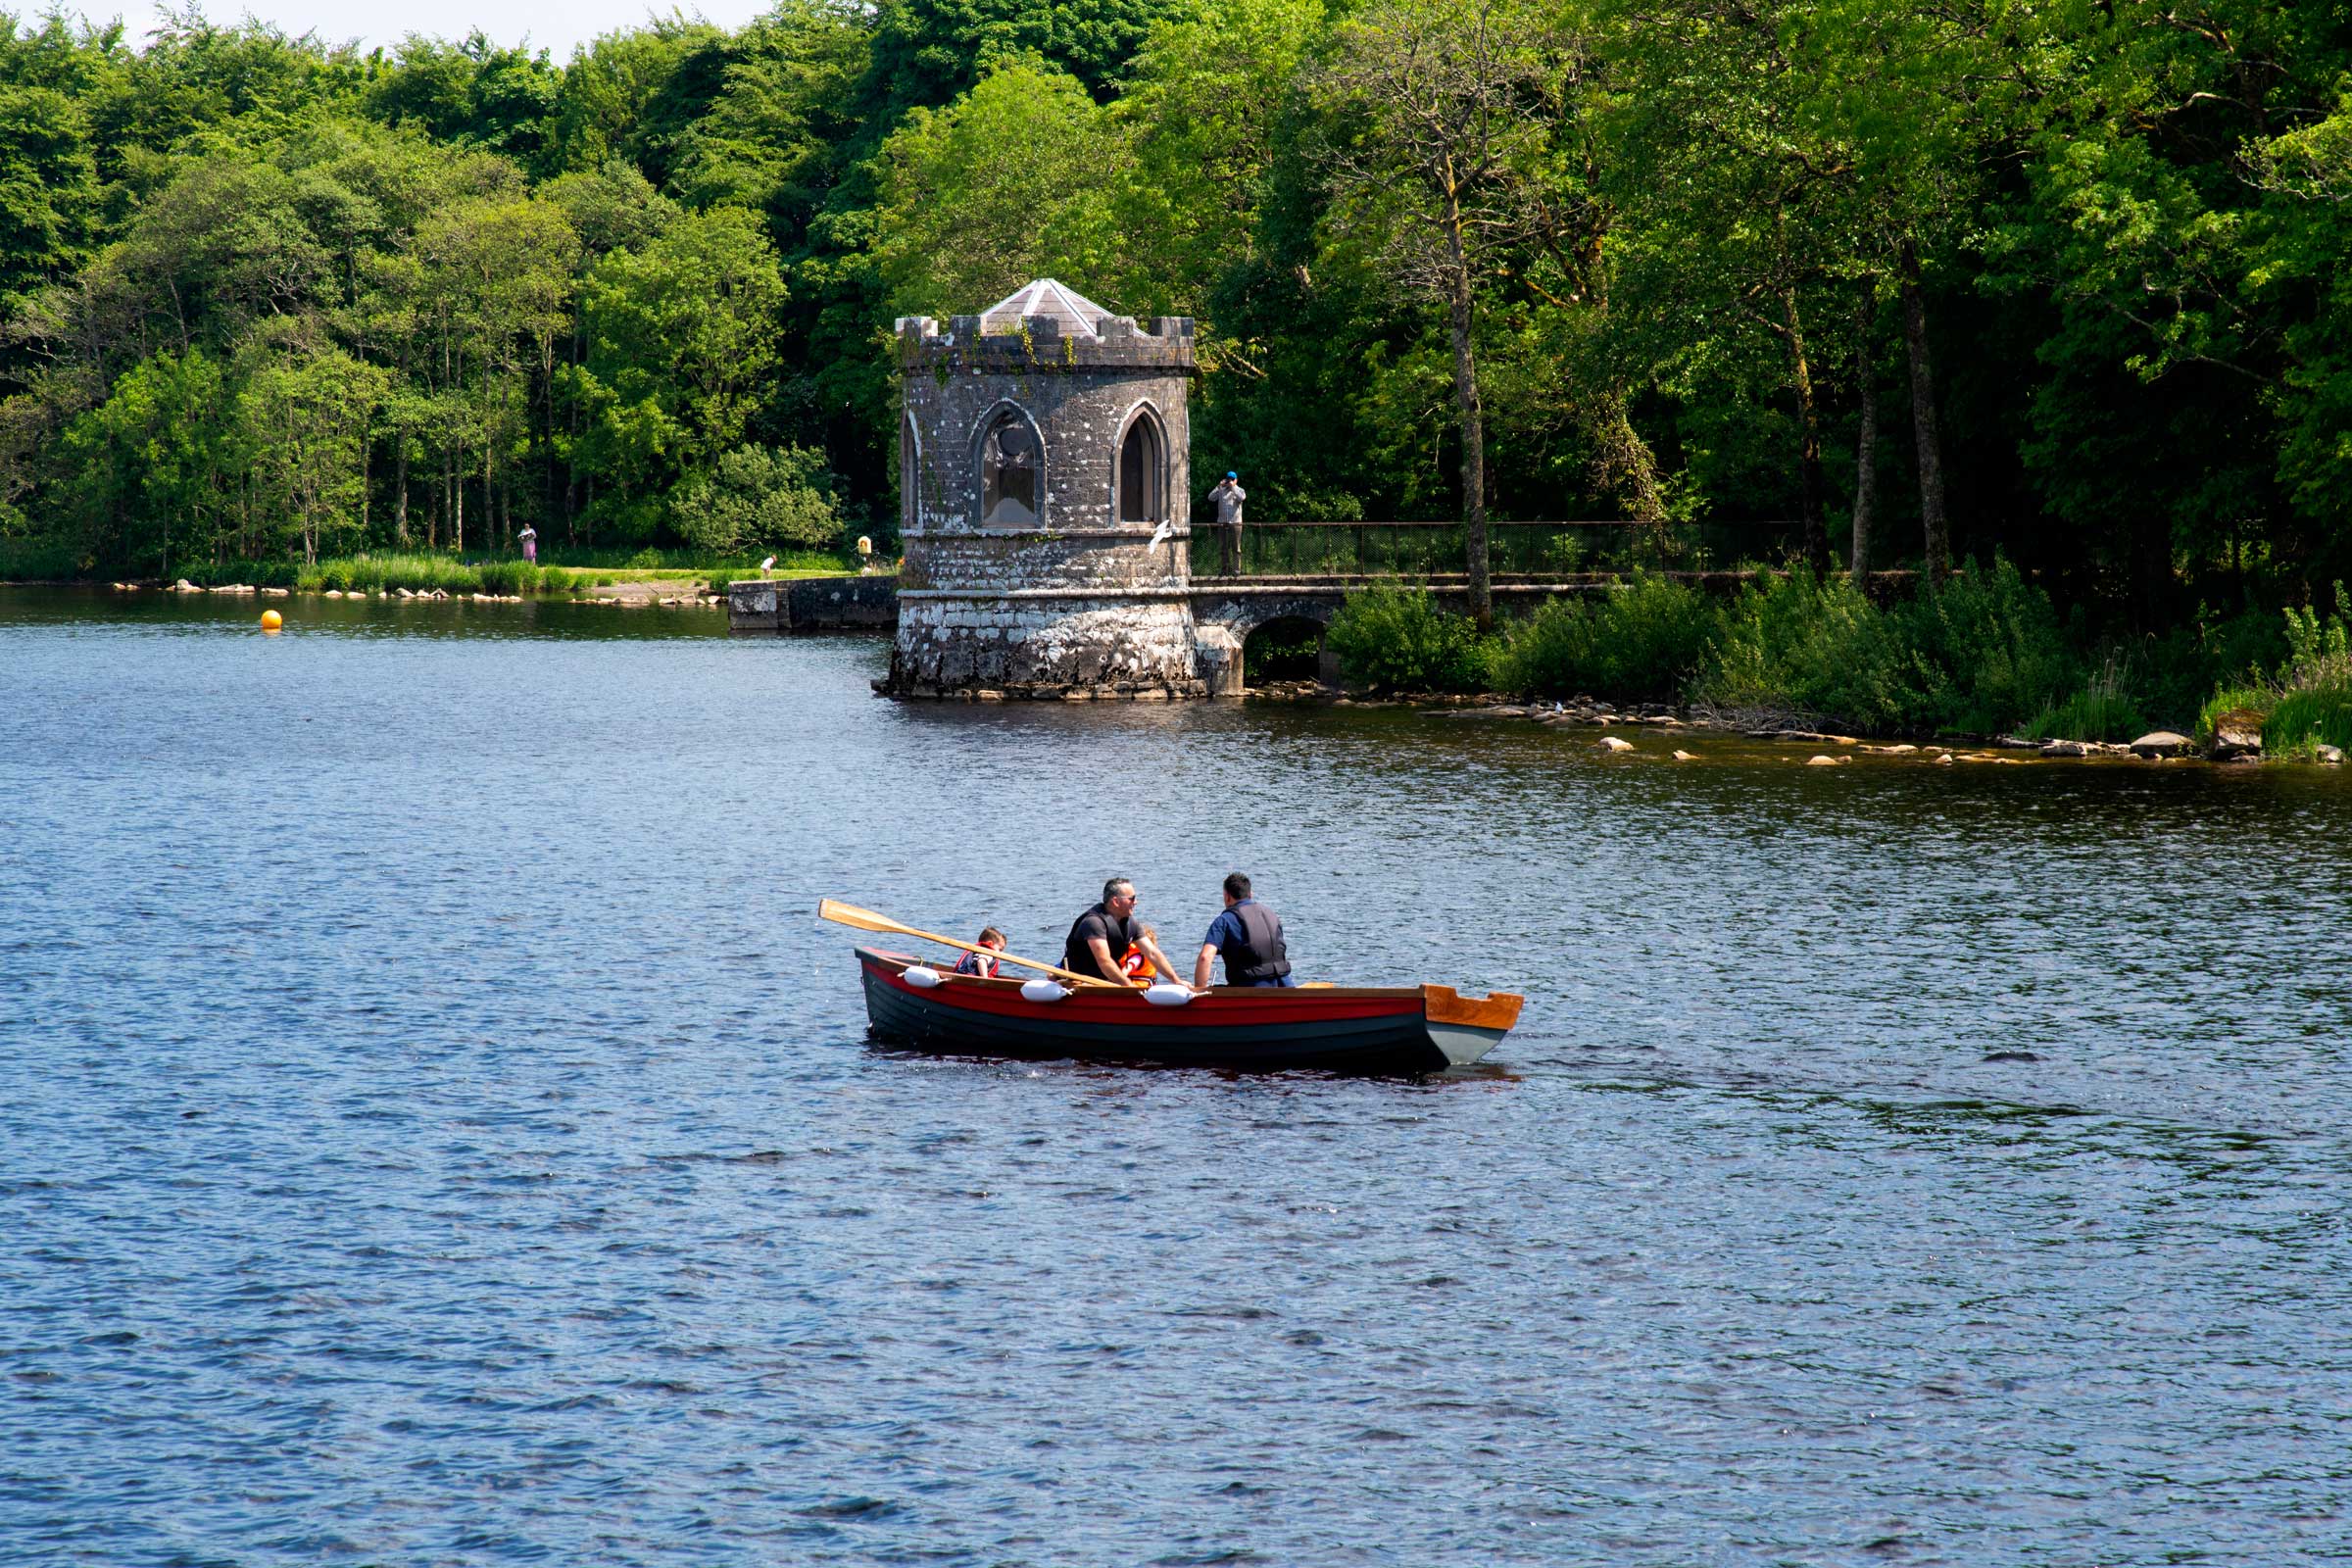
x,y
1103,934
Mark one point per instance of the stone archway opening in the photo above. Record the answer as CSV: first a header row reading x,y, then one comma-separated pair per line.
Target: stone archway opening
x,y
1290,648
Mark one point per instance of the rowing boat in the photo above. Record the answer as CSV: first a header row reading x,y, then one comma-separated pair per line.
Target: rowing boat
x,y
1375,1029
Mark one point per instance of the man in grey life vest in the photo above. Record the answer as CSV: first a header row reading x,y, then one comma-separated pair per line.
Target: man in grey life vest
x,y
1248,936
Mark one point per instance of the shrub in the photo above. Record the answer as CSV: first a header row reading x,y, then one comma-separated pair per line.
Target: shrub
x,y
1651,636
1811,645
38,559
759,498
2175,672
2306,716
1647,637
1397,639
1550,651
1987,647
2318,649
1982,653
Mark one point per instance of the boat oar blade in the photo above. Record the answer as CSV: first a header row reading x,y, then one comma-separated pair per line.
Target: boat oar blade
x,y
850,915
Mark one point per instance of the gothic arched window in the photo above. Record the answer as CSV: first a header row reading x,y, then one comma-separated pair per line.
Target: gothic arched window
x,y
1013,489
911,473
1143,485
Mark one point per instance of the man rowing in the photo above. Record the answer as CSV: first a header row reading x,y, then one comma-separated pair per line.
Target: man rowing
x,y
1101,936
1248,936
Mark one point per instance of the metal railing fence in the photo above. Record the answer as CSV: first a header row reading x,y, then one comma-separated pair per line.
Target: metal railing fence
x,y
1513,548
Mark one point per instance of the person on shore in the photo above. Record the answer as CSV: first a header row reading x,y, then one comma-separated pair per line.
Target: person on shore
x,y
981,963
1101,936
1248,936
530,544
1227,497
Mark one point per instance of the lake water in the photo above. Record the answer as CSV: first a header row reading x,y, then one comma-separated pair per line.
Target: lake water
x,y
433,1129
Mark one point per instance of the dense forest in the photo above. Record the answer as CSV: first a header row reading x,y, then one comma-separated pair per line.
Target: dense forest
x,y
2063,282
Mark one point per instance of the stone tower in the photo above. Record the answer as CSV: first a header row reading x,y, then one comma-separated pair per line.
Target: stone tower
x,y
1043,457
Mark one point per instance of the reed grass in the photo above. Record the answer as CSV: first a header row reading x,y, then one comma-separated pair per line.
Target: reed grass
x,y
426,573
2307,719
2102,711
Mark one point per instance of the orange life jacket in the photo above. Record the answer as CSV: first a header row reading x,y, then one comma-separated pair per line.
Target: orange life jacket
x,y
1136,966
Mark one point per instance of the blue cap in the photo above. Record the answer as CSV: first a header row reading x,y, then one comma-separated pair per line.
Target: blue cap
x,y
1230,475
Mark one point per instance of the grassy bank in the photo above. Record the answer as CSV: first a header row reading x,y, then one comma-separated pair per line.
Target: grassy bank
x,y
557,572
1987,654
388,573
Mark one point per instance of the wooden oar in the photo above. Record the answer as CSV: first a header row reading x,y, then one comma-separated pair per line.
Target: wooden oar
x,y
867,920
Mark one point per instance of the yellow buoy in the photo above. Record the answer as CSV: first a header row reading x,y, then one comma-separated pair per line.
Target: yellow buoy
x,y
272,620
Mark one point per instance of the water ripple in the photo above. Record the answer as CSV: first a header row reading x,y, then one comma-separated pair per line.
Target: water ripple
x,y
433,1130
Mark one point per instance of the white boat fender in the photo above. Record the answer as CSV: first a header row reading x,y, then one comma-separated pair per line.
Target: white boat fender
x,y
1165,995
922,976
1042,991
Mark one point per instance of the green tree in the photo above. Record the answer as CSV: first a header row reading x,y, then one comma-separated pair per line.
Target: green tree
x,y
151,468
682,340
1020,178
758,498
614,99
927,53
1211,108
779,131
48,190
305,412
1444,124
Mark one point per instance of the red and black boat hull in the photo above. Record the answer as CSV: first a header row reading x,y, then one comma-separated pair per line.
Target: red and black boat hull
x,y
1356,1029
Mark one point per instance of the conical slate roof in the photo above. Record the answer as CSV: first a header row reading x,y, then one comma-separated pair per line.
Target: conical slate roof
x,y
1077,314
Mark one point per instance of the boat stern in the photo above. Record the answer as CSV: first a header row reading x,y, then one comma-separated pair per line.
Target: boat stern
x,y
1463,1029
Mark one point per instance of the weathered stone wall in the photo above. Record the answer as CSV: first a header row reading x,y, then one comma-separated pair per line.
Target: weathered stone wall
x,y
1104,558
1042,645
814,604
1078,392
1078,603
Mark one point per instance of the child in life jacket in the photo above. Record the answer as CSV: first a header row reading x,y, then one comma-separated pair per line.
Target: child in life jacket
x,y
1135,963
980,964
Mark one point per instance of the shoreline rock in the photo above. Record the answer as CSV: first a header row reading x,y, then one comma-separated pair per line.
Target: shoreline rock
x,y
2236,735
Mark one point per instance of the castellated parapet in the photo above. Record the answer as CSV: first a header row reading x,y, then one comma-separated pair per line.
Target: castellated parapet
x,y
1045,456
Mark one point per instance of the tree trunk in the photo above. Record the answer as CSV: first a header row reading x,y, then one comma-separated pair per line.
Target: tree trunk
x,y
1865,449
572,501
2152,577
1808,425
400,503
1474,432
1935,525
547,434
